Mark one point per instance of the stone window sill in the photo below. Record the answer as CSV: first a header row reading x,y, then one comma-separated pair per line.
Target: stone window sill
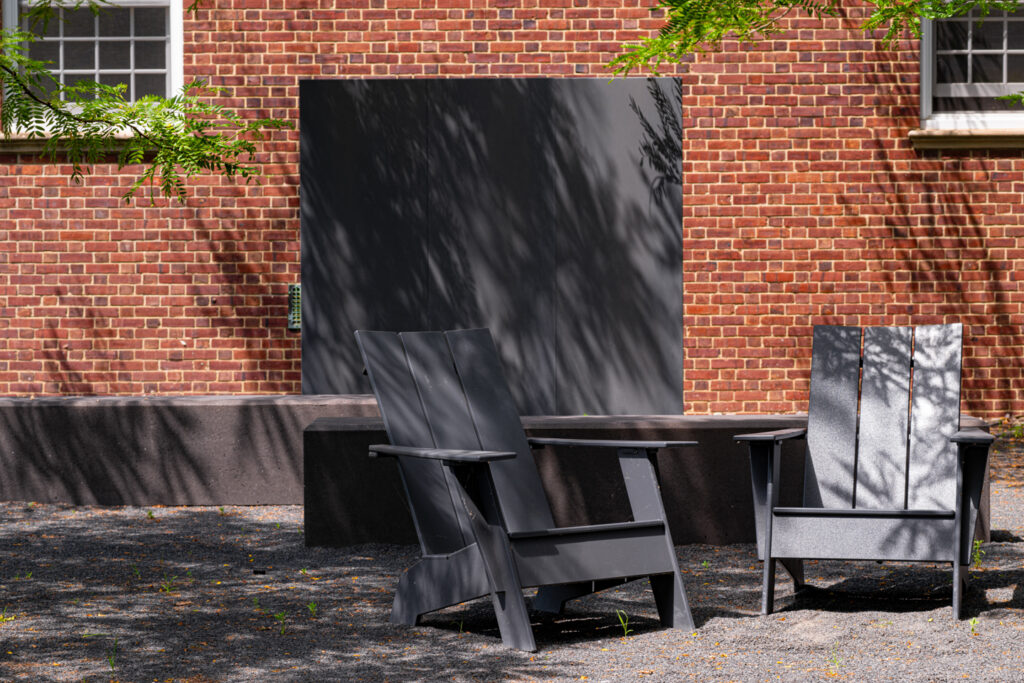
x,y
21,142
967,139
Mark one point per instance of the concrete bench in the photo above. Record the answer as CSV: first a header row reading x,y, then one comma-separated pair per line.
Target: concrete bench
x,y
351,498
166,450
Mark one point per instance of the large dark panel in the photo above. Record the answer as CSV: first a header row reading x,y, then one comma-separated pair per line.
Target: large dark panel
x,y
364,222
548,210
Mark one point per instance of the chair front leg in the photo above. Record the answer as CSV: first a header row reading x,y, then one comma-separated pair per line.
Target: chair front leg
x,y
764,476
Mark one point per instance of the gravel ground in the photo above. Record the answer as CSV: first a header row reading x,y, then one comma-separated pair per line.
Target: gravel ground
x,y
203,594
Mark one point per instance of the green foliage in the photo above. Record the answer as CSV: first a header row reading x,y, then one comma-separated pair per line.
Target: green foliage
x,y
977,553
699,25
172,138
623,622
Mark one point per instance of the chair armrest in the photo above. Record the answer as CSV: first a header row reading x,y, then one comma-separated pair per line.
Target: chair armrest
x,y
602,443
972,435
776,435
440,453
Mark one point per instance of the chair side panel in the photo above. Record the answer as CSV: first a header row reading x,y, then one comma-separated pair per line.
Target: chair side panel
x,y
935,416
884,412
832,417
433,514
524,503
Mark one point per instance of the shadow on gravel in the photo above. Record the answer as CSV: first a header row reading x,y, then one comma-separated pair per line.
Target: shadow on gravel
x,y
198,595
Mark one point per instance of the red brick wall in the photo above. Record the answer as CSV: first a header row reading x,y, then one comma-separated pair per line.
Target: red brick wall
x,y
803,203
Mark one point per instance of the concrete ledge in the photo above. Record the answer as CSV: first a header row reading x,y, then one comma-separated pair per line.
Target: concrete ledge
x,y
351,498
706,489
168,450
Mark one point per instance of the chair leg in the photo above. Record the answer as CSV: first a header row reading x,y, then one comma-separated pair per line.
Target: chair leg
x,y
670,597
439,581
795,569
513,620
768,586
959,585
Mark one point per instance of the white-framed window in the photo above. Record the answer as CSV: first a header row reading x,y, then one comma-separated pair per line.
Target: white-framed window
x,y
966,63
135,42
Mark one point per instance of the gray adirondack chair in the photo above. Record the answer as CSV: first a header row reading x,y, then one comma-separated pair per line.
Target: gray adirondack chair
x,y
481,514
896,479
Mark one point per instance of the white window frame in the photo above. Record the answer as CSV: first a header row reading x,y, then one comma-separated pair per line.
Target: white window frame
x,y
967,120
175,34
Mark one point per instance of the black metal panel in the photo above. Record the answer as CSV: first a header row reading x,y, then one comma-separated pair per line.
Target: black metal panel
x,y
491,243
363,164
616,198
548,210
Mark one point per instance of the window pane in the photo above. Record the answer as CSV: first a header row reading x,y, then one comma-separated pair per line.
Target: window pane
x,y
114,79
45,52
942,104
51,30
1015,35
79,56
79,24
150,84
951,35
115,55
987,69
150,55
76,79
1015,68
988,36
150,21
114,22
951,69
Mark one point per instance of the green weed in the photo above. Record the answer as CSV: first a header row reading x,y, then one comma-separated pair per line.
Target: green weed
x,y
167,585
312,606
4,618
281,618
112,656
624,622
977,553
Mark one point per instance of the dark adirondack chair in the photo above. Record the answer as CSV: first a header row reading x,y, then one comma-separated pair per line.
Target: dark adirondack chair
x,y
483,519
896,478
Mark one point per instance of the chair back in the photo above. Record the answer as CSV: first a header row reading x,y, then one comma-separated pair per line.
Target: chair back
x,y
883,403
447,390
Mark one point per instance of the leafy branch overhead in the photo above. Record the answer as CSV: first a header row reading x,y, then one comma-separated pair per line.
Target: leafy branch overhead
x,y
174,137
698,25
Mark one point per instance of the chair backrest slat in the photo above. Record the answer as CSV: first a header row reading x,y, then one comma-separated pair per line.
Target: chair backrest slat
x,y
524,504
832,417
897,454
935,417
884,408
406,423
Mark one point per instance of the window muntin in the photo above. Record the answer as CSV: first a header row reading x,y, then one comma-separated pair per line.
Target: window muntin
x,y
135,42
968,63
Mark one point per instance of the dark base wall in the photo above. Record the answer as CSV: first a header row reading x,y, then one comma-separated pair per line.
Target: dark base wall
x,y
182,450
706,489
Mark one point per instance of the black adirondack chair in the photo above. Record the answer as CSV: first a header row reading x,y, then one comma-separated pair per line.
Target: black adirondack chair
x,y
889,478
481,514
